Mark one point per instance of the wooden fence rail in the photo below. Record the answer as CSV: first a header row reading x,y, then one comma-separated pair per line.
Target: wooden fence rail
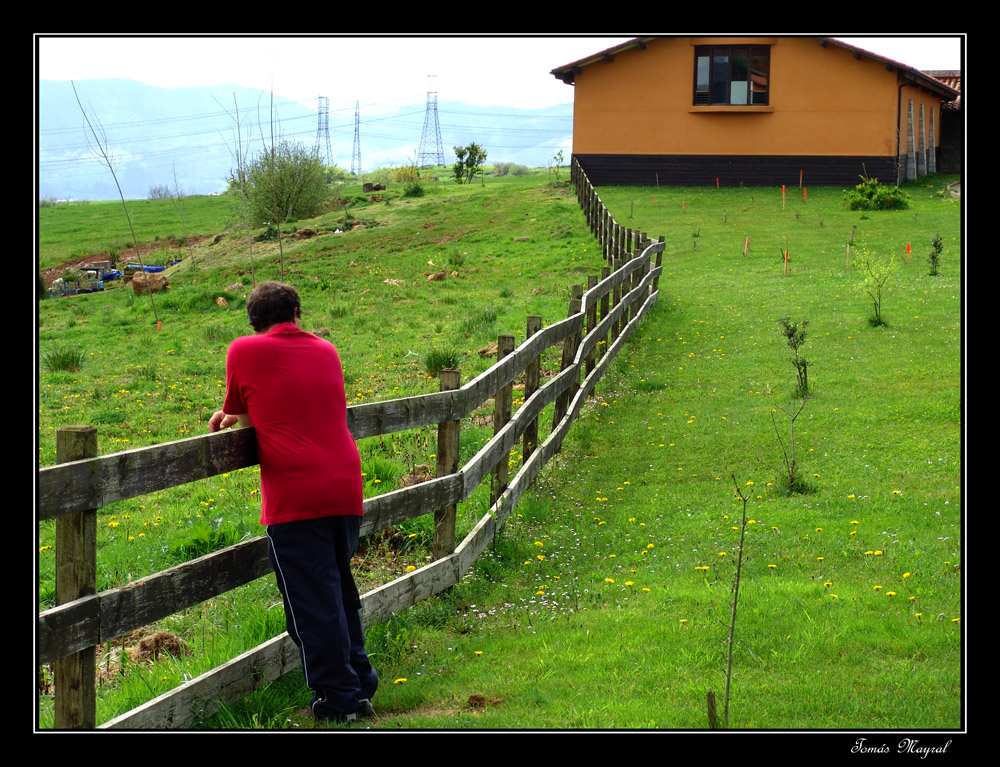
x,y
72,491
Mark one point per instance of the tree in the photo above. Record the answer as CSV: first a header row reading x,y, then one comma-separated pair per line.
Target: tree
x,y
470,162
288,182
876,273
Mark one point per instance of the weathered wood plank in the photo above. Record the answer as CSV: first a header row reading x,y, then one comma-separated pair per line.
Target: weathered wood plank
x,y
96,482
205,695
114,612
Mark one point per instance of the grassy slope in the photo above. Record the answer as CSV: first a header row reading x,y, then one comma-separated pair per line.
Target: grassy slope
x,y
613,626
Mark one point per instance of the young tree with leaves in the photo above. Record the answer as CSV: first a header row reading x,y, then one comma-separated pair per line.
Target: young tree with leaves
x,y
470,162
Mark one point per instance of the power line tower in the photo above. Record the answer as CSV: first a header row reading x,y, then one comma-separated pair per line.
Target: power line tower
x,y
356,155
323,131
430,151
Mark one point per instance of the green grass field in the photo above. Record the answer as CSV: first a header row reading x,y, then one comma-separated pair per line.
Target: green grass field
x,y
606,602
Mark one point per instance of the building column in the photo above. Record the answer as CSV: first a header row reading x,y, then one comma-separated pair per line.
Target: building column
x,y
932,154
922,149
911,160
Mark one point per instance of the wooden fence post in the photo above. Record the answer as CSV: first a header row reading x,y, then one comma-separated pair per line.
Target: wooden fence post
x,y
531,380
591,324
570,345
659,262
616,299
76,576
602,347
502,406
447,463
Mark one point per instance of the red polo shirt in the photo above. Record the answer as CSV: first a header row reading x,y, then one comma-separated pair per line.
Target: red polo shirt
x,y
291,385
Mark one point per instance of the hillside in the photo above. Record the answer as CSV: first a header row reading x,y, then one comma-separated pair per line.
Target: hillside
x,y
186,136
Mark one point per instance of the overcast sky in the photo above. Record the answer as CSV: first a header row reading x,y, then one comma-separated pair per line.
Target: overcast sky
x,y
389,71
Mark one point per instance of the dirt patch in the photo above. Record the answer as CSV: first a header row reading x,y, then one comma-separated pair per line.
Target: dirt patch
x,y
53,273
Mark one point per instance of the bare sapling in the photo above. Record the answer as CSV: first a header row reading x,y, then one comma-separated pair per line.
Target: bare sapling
x,y
713,717
97,141
239,154
180,212
276,213
793,481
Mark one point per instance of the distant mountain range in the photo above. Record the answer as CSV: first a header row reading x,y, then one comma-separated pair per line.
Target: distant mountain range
x,y
186,138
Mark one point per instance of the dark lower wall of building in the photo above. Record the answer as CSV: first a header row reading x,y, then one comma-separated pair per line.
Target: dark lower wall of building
x,y
750,170
952,133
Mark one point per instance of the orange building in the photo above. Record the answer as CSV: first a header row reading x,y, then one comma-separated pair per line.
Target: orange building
x,y
751,110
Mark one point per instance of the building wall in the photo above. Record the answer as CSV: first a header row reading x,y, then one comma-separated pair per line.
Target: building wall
x,y
823,103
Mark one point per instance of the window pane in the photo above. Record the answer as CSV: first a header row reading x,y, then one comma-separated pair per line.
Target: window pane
x,y
759,76
720,79
701,80
740,78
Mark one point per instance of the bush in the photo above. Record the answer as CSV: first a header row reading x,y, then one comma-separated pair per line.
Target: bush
x,y
510,169
870,195
288,182
405,173
413,189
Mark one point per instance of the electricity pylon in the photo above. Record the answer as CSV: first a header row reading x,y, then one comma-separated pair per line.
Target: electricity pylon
x,y
431,152
323,131
356,155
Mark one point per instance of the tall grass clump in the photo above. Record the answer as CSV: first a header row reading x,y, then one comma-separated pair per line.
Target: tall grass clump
x,y
437,360
63,358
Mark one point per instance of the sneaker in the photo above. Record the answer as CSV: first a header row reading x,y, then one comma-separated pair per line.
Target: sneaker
x,y
325,714
337,717
365,710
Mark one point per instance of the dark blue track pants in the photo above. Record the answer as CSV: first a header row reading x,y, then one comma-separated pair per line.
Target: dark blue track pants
x,y
312,564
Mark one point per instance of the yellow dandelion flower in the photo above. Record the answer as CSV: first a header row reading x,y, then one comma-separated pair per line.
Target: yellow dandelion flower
x,y
609,580
877,588
771,567
410,568
401,680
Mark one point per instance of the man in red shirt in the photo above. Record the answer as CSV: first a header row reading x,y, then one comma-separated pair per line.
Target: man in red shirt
x,y
288,385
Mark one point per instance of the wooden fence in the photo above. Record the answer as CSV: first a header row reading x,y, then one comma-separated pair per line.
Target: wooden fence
x,y
600,319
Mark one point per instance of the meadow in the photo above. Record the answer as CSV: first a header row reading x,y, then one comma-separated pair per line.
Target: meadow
x,y
606,605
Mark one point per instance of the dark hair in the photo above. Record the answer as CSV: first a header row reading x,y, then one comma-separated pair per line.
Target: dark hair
x,y
271,303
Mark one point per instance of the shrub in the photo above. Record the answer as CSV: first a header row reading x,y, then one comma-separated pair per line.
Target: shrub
x,y
870,195
934,257
405,174
795,335
510,169
413,189
288,181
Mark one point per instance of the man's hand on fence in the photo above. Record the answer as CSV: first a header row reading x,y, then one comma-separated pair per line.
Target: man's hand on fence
x,y
220,420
